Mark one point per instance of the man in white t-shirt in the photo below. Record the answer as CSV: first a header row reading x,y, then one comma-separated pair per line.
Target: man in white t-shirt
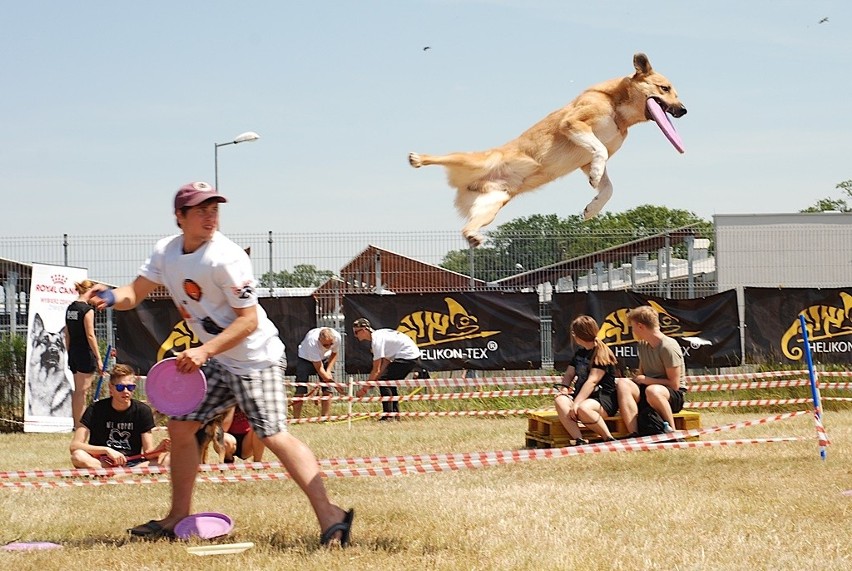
x,y
394,356
317,354
210,280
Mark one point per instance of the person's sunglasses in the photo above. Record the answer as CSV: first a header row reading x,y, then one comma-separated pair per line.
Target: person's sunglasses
x,y
120,387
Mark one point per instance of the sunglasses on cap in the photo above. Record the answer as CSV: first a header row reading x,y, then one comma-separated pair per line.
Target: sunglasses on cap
x,y
121,387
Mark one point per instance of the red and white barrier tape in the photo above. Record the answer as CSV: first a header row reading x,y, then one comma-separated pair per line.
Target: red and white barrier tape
x,y
465,395
750,385
457,458
733,403
450,465
462,382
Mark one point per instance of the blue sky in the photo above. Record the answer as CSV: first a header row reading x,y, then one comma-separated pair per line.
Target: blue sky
x,y
108,107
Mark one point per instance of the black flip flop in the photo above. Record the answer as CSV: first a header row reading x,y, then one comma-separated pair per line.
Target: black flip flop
x,y
344,527
151,531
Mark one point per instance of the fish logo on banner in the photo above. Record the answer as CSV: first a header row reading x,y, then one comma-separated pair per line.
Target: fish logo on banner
x,y
180,339
823,322
431,328
616,330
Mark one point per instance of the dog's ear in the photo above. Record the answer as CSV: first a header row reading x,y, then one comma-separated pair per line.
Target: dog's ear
x,y
38,326
641,64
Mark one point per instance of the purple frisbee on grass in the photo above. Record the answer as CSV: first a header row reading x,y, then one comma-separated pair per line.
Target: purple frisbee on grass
x,y
205,525
172,392
664,123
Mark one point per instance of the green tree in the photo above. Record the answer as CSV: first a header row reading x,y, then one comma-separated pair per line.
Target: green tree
x,y
13,351
832,204
303,275
540,240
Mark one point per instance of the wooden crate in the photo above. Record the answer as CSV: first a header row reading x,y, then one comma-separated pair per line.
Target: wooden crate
x,y
545,431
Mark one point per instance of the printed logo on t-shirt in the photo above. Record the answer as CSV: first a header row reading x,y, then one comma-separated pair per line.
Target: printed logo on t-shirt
x,y
244,291
118,439
192,289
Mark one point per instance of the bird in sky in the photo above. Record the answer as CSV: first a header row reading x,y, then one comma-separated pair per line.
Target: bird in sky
x,y
427,48
823,20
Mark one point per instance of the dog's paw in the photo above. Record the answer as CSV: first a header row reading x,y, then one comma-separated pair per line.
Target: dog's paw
x,y
475,240
597,168
415,160
595,176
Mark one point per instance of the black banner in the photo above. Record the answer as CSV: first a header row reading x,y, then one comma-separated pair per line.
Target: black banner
x,y
707,329
773,332
154,330
477,330
293,316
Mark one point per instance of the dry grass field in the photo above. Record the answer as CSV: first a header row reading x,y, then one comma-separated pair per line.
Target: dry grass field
x,y
746,507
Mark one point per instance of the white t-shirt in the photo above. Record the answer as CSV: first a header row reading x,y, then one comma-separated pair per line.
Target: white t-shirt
x,y
391,344
310,348
205,285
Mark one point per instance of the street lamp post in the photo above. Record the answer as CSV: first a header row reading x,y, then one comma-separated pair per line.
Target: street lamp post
x,y
241,138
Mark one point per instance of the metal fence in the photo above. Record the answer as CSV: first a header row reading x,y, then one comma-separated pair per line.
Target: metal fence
x,y
677,264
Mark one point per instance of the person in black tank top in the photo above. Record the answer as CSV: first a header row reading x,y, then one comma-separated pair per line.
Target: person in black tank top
x,y
587,392
84,357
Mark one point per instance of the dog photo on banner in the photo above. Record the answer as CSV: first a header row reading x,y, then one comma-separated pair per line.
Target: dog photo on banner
x,y
49,384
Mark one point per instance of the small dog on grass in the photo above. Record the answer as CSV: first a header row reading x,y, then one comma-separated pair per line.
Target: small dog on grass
x,y
212,434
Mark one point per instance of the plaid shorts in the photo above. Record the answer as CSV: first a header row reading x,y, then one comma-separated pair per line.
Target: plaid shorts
x,y
261,395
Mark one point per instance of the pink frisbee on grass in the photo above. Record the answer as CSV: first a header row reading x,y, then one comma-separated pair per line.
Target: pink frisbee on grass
x,y
172,392
205,525
664,123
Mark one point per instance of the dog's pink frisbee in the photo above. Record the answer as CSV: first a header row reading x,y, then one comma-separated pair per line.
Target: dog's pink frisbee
x,y
664,123
206,525
172,392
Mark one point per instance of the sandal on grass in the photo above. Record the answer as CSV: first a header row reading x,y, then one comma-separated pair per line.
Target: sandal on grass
x,y
151,531
344,527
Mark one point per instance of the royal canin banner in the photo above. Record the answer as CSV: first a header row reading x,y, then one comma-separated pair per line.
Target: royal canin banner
x,y
49,382
707,328
477,330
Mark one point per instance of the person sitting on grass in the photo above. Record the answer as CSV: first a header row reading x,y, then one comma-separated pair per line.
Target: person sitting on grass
x,y
594,393
113,429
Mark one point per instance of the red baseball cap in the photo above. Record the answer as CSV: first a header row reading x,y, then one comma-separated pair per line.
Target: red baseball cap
x,y
194,193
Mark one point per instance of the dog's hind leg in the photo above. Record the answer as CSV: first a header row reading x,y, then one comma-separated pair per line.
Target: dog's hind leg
x,y
466,160
604,193
481,208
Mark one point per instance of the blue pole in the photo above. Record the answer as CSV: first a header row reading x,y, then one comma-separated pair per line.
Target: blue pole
x,y
101,376
812,376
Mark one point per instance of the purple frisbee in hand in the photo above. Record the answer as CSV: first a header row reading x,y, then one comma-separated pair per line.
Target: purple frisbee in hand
x,y
172,392
664,123
205,525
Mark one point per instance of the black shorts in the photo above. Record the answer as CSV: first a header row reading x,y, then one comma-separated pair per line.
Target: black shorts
x,y
609,402
239,438
676,398
82,362
304,370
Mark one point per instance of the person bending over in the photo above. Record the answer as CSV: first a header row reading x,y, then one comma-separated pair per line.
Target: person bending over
x,y
317,354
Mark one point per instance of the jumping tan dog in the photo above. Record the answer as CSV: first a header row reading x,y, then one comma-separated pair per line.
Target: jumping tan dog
x,y
583,134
